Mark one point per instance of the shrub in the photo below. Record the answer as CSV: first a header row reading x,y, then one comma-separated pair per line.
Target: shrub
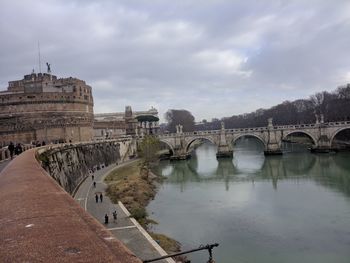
x,y
139,213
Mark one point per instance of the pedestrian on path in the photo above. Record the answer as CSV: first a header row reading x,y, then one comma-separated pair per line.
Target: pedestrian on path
x,y
11,148
115,216
96,197
106,219
18,149
94,184
92,176
101,197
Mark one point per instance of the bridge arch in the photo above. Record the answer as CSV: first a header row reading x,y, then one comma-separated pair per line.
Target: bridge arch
x,y
169,145
199,138
233,141
303,132
336,133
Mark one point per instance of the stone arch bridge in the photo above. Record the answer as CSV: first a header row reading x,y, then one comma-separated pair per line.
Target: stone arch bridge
x,y
321,134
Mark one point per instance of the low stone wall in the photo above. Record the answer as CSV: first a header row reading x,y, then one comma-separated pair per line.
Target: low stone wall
x,y
5,153
69,164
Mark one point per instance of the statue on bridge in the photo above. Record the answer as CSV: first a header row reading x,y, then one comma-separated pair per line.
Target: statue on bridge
x,y
48,67
179,128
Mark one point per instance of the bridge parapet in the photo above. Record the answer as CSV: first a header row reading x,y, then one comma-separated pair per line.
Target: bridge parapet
x,y
40,222
5,153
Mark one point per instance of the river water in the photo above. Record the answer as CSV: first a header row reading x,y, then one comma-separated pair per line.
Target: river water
x,y
290,208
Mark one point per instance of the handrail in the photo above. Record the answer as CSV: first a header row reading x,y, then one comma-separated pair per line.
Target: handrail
x,y
207,247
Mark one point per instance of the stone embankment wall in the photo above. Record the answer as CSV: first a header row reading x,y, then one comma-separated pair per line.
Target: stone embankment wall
x,y
69,164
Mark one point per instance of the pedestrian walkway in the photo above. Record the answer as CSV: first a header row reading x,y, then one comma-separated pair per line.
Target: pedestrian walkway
x,y
126,229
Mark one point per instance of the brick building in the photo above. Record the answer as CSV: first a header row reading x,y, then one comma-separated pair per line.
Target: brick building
x,y
41,107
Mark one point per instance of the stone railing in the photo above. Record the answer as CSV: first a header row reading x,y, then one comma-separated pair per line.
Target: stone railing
x,y
254,129
5,153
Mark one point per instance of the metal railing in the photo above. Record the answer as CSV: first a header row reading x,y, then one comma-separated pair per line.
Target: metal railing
x,y
207,247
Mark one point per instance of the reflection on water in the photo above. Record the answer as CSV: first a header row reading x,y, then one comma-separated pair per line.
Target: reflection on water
x,y
248,156
290,208
250,163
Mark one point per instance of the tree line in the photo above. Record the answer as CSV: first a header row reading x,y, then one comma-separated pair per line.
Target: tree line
x,y
334,106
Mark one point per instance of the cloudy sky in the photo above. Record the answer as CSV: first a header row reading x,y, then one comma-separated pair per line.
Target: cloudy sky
x,y
214,58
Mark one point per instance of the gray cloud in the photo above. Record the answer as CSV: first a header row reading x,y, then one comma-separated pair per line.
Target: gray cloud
x,y
215,58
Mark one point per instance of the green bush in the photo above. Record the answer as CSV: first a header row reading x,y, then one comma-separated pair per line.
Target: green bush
x,y
139,213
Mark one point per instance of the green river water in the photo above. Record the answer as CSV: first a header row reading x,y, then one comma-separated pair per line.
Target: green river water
x,y
276,209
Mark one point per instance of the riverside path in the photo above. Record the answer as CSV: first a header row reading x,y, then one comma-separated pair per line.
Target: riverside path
x,y
126,229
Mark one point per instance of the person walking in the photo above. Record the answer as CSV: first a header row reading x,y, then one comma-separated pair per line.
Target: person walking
x,y
18,149
11,148
96,198
106,219
115,216
101,197
94,184
92,176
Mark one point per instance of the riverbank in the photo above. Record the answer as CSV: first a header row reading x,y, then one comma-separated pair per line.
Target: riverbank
x,y
125,184
125,228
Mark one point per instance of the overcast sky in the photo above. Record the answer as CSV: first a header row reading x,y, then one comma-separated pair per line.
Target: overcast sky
x,y
214,58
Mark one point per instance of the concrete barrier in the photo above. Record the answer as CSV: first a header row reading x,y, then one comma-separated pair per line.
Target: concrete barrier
x,y
40,222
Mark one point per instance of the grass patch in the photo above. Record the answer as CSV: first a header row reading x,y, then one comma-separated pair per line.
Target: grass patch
x,y
129,171
126,184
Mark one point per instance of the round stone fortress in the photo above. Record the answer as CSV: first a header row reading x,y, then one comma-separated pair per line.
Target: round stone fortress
x,y
41,107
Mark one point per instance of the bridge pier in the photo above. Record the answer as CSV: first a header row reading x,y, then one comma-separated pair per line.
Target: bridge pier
x,y
273,140
180,157
224,149
323,145
180,151
273,152
224,152
320,150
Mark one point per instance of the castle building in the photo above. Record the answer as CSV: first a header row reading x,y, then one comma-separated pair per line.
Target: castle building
x,y
41,107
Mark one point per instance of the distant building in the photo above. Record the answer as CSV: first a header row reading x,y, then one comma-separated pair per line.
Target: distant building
x,y
41,107
114,125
